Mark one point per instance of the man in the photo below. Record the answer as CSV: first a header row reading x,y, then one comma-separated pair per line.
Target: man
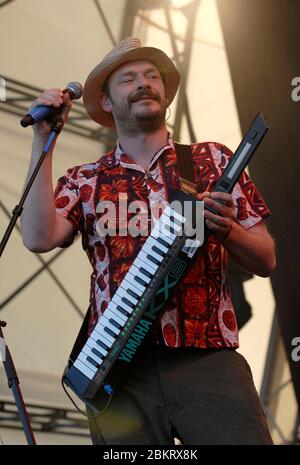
x,y
188,381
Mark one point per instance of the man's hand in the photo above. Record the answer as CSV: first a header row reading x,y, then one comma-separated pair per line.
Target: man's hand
x,y
55,98
252,249
222,203
42,228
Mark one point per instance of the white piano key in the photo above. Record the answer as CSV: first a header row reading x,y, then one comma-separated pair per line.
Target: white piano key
x,y
85,370
163,242
159,224
136,272
103,344
95,335
146,263
117,300
143,277
171,212
168,223
130,282
128,285
122,293
142,257
88,352
153,243
148,250
93,345
166,231
130,276
115,315
99,328
160,231
106,323
113,307
83,358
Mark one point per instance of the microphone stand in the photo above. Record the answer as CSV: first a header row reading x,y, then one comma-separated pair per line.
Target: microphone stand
x,y
13,381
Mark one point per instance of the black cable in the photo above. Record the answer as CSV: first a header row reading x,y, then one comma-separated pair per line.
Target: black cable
x,y
79,410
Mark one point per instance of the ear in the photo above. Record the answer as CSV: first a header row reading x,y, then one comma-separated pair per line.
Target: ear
x,y
105,103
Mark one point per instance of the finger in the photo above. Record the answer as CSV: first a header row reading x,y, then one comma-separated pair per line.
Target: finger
x,y
47,100
217,219
202,195
56,99
66,100
224,197
54,92
213,226
40,101
55,96
220,208
216,228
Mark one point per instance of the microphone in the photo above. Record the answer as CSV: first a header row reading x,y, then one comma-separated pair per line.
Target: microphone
x,y
40,112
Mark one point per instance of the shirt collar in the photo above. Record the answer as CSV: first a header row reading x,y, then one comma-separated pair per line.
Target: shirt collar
x,y
124,160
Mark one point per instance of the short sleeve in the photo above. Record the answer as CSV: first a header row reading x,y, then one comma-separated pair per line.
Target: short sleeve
x,y
67,200
249,203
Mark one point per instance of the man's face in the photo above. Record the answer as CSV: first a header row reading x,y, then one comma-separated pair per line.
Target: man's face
x,y
136,97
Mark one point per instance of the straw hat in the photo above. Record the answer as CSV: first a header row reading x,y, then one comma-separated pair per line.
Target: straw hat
x,y
129,49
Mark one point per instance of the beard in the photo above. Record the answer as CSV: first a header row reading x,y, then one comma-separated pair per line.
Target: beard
x,y
131,120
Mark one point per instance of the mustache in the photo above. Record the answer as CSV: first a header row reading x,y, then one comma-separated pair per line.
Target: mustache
x,y
144,93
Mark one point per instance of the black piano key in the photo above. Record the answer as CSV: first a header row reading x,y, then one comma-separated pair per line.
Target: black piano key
x,y
176,220
139,280
169,228
152,259
93,362
101,344
121,309
110,332
157,250
127,302
96,352
162,242
132,293
113,322
146,272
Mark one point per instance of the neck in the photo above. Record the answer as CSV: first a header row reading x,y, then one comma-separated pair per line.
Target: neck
x,y
142,147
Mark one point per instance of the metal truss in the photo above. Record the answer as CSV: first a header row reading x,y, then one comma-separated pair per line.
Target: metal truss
x,y
45,419
45,266
182,59
5,2
271,389
20,94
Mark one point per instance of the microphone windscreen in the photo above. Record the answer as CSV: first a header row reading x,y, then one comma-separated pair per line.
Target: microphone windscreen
x,y
76,88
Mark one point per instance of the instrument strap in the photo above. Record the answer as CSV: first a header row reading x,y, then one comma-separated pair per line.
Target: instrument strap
x,y
185,168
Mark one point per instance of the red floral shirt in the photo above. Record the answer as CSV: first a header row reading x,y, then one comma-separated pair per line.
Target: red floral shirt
x,y
201,313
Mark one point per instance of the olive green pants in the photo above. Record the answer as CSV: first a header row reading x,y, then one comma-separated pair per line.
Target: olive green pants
x,y
200,396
